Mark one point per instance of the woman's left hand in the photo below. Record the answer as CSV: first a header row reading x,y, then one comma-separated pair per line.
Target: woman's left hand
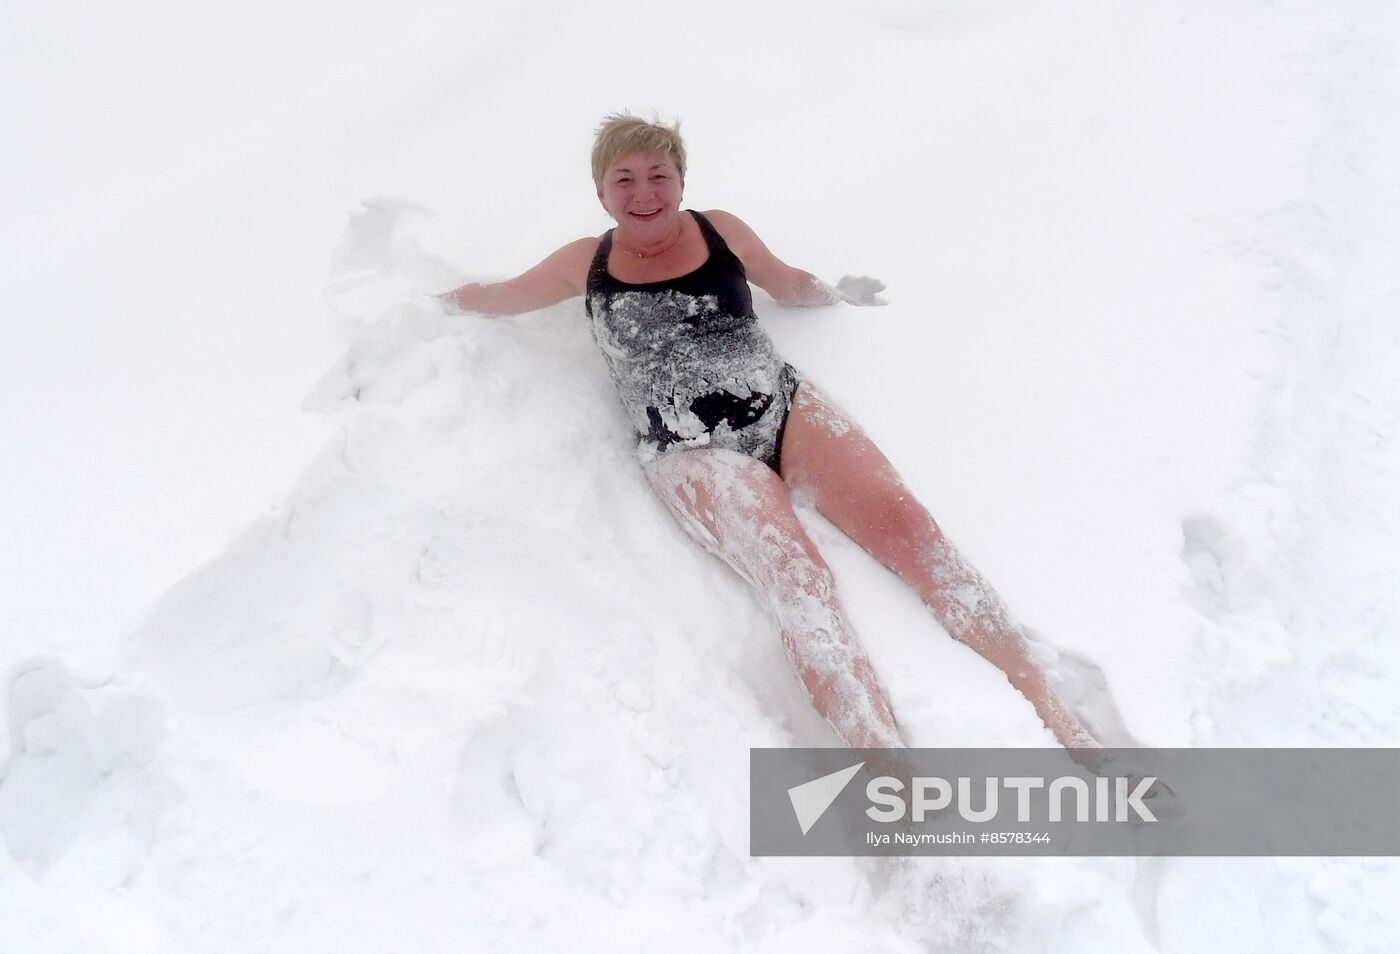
x,y
860,290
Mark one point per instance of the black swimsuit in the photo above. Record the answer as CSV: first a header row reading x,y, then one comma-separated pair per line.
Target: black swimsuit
x,y
689,359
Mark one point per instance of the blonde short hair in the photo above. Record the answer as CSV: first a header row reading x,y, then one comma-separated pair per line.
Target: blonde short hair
x,y
621,133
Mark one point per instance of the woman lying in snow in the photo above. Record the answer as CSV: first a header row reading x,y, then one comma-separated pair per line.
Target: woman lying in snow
x,y
728,431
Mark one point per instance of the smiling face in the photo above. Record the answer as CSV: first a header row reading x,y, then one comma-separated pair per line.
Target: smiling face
x,y
642,192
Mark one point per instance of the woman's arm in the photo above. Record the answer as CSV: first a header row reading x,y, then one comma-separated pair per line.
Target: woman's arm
x,y
788,285
561,276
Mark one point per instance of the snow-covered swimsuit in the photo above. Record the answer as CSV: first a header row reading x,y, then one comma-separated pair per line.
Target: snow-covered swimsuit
x,y
689,359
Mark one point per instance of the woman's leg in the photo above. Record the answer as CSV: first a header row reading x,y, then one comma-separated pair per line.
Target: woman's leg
x,y
853,485
739,509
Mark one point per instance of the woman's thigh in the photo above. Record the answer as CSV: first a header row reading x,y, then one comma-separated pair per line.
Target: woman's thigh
x,y
737,507
828,458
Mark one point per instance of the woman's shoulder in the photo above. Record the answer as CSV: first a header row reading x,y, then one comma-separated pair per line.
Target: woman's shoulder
x,y
584,246
734,230
577,257
722,221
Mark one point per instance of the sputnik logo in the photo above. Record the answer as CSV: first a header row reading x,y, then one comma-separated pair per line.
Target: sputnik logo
x,y
810,800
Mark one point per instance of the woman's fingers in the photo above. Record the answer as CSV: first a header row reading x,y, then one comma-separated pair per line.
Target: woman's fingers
x,y
861,290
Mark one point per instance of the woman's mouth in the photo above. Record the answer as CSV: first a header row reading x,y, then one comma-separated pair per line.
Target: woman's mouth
x,y
647,215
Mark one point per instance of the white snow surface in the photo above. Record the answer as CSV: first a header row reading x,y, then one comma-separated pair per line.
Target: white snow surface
x,y
331,622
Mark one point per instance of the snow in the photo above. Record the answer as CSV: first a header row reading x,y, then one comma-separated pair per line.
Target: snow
x,y
331,622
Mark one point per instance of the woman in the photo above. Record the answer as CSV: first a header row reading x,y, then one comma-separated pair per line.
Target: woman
x,y
728,431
